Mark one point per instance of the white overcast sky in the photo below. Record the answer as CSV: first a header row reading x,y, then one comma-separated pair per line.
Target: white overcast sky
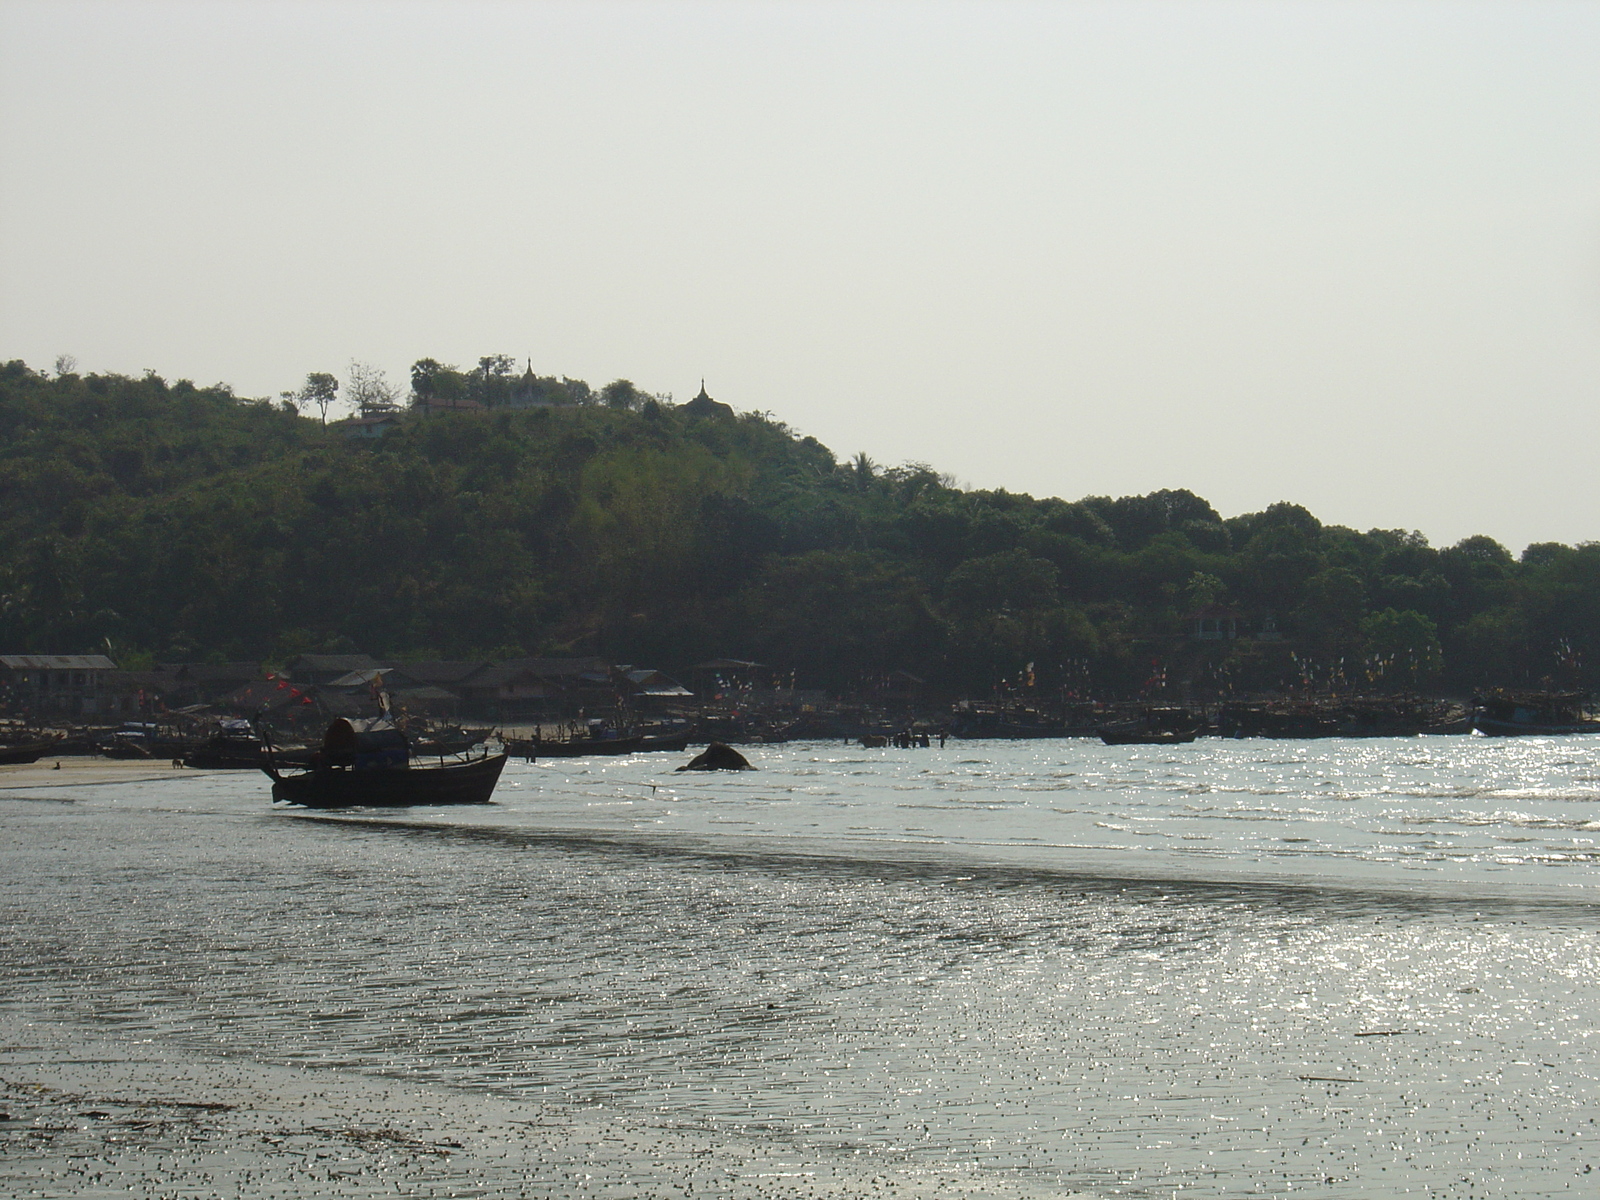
x,y
1346,254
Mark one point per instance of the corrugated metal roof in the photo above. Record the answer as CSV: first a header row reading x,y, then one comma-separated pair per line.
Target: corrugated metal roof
x,y
57,662
654,683
424,693
337,662
553,667
357,678
438,670
243,672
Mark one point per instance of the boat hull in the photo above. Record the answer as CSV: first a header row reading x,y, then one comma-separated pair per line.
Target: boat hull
x,y
1113,737
588,747
14,755
391,787
224,760
1491,727
673,742
228,754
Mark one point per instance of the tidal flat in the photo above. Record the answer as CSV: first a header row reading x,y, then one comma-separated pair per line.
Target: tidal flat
x,y
1340,968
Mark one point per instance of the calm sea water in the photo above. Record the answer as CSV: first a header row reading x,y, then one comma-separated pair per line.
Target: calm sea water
x,y
1348,968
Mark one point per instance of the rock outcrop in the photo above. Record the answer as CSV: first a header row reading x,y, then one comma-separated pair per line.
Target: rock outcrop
x,y
717,757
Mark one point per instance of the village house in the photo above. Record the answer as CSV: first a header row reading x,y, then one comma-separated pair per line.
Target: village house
x,y
495,692
899,688
134,695
575,684
315,670
476,683
1214,623
183,684
647,689
728,680
405,692
374,426
77,685
546,687
449,673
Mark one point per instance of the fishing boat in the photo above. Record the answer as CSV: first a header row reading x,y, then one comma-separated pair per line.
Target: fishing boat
x,y
372,768
590,746
444,742
226,754
27,752
583,747
234,747
667,741
1511,714
1156,725
144,739
977,722
1146,737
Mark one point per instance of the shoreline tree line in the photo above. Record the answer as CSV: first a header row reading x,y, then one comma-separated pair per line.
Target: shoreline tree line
x,y
171,522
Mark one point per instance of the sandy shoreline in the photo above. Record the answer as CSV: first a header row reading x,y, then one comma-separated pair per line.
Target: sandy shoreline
x,y
88,1115
85,1112
78,771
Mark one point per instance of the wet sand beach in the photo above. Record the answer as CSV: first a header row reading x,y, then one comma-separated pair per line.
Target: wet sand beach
x,y
85,771
1347,970
86,1116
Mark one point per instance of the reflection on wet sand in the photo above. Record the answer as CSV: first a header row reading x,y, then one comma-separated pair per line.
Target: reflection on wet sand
x,y
789,1003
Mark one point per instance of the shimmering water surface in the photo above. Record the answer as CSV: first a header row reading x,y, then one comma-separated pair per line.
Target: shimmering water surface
x,y
1232,968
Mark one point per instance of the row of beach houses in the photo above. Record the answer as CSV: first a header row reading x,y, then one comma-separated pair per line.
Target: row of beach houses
x,y
91,687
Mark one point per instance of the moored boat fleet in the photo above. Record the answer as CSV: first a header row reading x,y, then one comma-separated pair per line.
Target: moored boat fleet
x,y
1500,714
376,763
378,767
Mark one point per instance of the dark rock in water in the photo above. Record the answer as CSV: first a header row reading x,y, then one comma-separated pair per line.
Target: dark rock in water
x,y
717,757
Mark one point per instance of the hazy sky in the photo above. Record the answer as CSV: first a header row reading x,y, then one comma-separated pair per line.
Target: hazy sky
x,y
1346,254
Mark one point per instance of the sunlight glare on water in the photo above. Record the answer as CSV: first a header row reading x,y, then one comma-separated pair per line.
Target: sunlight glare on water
x,y
1231,968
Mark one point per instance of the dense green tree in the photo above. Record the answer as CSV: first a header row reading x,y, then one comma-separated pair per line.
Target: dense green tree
x,y
175,520
1004,611
1405,646
620,393
319,391
432,380
1331,611
838,616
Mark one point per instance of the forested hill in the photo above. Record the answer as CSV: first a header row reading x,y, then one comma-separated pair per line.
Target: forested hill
x,y
182,523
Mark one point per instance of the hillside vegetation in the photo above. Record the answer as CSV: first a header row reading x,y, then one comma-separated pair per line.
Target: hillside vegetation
x,y
178,522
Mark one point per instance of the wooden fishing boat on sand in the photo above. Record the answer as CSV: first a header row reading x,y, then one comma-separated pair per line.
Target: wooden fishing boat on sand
x,y
24,752
373,769
234,747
